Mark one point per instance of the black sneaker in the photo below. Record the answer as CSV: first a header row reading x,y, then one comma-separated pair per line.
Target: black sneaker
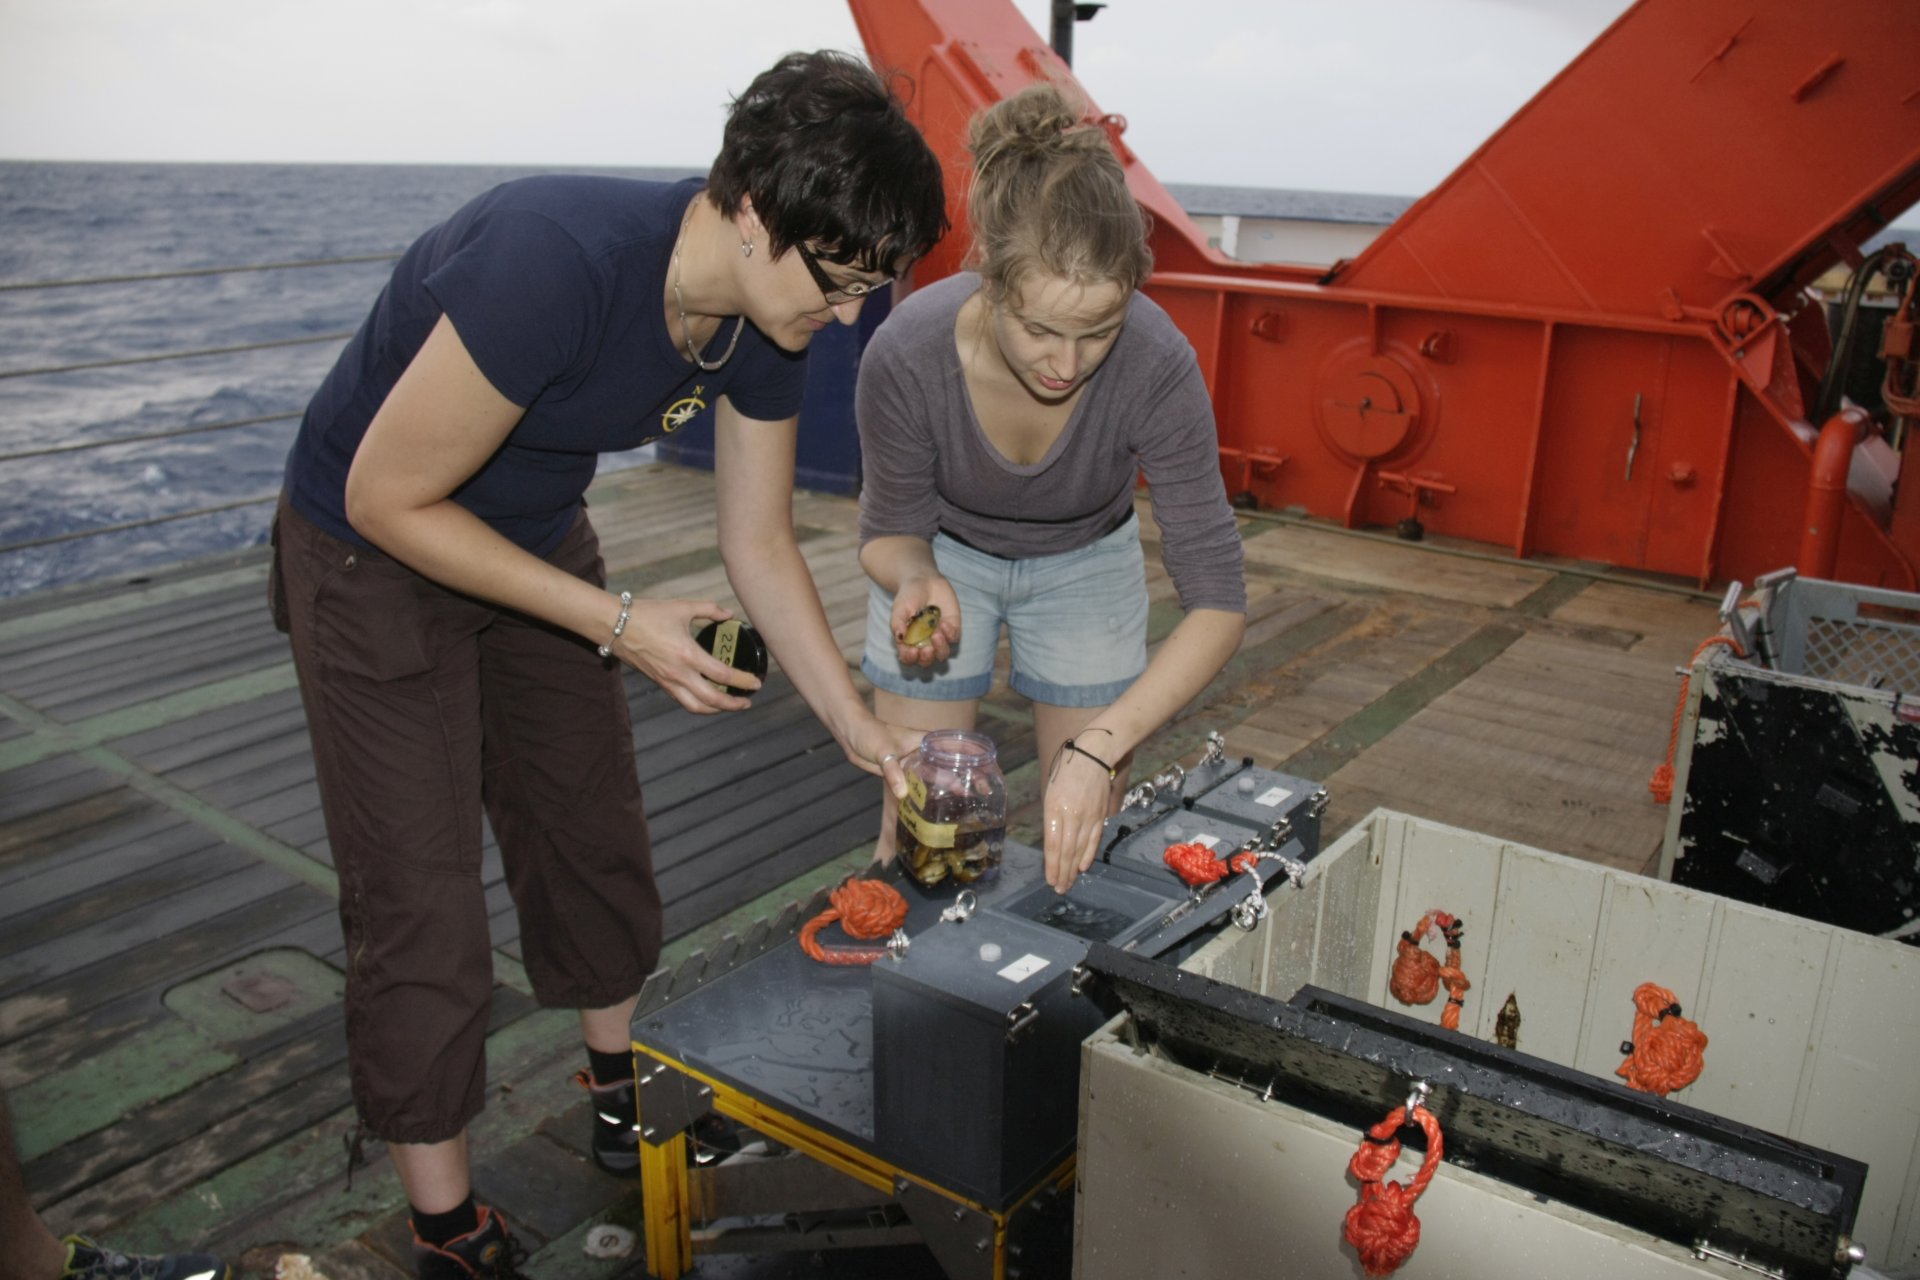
x,y
488,1252
88,1261
714,1137
616,1125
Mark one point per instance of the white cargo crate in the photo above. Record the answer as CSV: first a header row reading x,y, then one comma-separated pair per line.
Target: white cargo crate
x,y
1814,1035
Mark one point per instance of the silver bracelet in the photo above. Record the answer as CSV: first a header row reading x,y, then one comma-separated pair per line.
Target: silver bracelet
x,y
620,624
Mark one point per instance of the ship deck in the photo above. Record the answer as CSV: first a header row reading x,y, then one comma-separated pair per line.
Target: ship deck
x,y
170,970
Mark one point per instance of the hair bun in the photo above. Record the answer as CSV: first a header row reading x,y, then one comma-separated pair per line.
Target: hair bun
x,y
1049,193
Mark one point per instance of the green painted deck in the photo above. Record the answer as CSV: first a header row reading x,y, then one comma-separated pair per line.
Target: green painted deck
x,y
170,1029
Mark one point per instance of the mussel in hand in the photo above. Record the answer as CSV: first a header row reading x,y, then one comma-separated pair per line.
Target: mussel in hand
x,y
921,626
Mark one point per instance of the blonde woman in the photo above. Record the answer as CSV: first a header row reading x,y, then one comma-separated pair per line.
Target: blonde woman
x,y
1004,416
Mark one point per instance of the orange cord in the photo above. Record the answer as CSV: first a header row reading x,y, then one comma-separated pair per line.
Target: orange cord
x,y
1417,975
865,909
1197,865
1661,783
1667,1051
1381,1227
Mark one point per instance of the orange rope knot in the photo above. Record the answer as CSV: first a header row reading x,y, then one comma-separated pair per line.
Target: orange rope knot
x,y
1661,783
1197,865
1417,975
1667,1051
865,909
1381,1227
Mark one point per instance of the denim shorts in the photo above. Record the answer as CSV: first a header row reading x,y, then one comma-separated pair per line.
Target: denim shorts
x,y
1076,624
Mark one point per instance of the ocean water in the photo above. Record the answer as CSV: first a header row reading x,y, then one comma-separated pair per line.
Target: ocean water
x,y
161,328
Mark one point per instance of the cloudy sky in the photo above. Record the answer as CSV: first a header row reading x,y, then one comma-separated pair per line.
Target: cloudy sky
x,y
1384,96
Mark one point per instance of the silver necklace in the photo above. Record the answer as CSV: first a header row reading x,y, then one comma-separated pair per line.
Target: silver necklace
x,y
686,333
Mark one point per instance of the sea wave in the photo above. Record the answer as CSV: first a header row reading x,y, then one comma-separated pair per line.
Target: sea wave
x,y
162,327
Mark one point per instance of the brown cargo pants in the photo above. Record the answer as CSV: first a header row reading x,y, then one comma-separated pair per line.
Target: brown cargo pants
x,y
425,706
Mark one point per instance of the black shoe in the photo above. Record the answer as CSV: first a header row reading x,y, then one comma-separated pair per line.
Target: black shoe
x,y
713,1137
488,1252
88,1261
616,1125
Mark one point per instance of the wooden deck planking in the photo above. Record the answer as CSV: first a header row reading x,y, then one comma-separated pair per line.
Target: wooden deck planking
x,y
1381,562
237,728
199,889
1666,625
308,1059
1549,744
54,919
75,628
47,1027
91,680
132,846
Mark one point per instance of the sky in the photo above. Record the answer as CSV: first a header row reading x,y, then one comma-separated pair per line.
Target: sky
x,y
1376,96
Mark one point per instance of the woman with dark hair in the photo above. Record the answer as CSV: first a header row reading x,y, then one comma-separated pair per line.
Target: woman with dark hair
x,y
455,641
1005,416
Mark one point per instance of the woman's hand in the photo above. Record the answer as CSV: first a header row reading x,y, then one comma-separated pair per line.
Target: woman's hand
x,y
658,643
915,595
878,747
1076,814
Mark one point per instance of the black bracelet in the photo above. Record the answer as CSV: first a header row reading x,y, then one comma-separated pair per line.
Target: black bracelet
x,y
1071,745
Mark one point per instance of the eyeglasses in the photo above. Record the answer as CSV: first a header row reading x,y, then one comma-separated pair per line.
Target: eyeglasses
x,y
834,292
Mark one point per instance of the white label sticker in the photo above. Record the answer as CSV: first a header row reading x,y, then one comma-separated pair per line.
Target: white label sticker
x,y
1025,967
1212,842
1272,796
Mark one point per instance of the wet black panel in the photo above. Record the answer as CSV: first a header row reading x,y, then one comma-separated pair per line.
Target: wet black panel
x,y
976,1063
1100,908
1785,809
797,1034
1655,1165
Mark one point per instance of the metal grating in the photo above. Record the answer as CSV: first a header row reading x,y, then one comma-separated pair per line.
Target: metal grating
x,y
1862,653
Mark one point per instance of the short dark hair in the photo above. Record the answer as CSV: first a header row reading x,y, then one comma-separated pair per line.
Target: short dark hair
x,y
826,153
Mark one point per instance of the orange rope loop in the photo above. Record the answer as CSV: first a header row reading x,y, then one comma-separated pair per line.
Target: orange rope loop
x,y
1667,1051
1381,1227
1661,783
1417,975
865,909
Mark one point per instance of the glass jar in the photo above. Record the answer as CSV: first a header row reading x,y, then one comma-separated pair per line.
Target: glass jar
x,y
953,822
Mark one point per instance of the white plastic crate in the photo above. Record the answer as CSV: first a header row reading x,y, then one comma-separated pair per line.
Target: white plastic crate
x,y
1814,1035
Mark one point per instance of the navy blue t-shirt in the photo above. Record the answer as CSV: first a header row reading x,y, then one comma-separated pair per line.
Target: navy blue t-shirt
x,y
554,284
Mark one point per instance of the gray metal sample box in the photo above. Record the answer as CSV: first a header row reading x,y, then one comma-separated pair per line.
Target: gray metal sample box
x,y
974,1050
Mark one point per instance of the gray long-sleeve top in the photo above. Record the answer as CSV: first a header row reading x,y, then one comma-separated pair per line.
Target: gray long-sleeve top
x,y
927,464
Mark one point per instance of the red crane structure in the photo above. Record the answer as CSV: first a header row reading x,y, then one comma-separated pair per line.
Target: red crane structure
x,y
1594,339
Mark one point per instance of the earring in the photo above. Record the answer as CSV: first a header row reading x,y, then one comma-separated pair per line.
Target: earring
x,y
746,248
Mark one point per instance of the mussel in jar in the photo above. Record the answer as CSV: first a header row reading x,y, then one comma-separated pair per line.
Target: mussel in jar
x,y
973,854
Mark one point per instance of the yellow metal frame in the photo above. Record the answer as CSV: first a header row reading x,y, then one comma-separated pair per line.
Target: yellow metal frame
x,y
667,1197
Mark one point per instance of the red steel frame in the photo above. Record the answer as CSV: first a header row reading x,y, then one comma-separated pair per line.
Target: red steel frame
x,y
1593,339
